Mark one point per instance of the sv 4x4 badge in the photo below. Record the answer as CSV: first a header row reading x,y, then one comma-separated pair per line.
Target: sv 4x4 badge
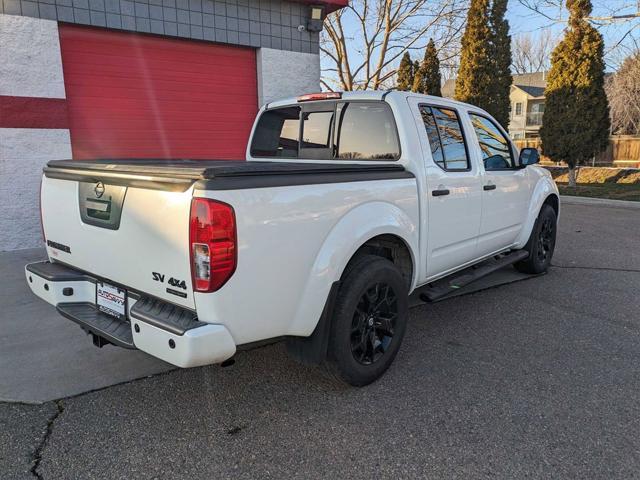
x,y
174,282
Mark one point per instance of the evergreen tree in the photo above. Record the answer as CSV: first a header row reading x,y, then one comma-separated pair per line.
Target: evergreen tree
x,y
474,73
501,63
576,118
404,80
484,77
427,78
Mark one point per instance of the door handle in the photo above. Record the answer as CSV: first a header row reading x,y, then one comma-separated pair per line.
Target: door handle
x,y
489,187
440,193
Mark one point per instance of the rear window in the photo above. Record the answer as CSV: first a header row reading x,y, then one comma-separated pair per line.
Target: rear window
x,y
366,131
277,133
316,129
328,131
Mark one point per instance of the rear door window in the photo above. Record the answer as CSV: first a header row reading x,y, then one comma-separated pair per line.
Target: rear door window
x,y
277,134
446,138
366,131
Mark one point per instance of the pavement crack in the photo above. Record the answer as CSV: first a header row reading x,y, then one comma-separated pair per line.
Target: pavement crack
x,y
37,455
606,269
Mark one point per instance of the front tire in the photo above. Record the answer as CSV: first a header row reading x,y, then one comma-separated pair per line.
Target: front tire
x,y
541,243
369,321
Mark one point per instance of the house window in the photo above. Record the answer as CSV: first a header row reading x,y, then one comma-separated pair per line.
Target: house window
x,y
537,108
518,109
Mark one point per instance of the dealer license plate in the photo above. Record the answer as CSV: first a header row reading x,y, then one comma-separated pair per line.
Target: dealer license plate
x,y
111,300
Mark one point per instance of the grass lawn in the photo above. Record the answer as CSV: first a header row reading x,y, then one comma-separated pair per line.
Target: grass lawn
x,y
615,191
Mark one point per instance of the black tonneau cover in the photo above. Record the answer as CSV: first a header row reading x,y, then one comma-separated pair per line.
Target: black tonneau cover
x,y
180,174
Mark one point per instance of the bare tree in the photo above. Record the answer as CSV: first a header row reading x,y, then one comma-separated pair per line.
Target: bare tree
x,y
623,92
618,20
531,54
362,44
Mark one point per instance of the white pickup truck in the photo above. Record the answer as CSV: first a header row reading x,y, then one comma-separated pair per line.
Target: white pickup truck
x,y
347,203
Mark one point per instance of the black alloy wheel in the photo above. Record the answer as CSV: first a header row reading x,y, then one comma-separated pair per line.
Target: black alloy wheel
x,y
368,322
541,243
373,324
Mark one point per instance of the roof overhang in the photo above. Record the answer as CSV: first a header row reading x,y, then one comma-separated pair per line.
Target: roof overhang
x,y
528,94
329,5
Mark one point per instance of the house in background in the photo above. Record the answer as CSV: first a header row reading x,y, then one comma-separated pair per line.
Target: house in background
x,y
527,104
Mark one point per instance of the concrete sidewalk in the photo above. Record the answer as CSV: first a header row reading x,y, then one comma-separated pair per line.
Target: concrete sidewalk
x,y
44,356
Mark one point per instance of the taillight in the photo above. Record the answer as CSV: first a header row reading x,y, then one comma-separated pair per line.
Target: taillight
x,y
40,208
212,237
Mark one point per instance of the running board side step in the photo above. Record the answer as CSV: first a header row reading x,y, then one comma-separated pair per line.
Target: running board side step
x,y
445,286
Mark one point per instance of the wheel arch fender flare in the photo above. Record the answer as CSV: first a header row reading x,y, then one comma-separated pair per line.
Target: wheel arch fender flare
x,y
351,232
544,189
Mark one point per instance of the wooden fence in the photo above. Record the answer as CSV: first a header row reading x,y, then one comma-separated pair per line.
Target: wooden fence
x,y
623,151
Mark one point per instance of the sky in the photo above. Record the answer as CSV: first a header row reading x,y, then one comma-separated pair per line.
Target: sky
x,y
621,37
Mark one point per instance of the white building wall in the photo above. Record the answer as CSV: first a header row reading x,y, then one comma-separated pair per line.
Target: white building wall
x,y
286,74
30,61
23,153
30,66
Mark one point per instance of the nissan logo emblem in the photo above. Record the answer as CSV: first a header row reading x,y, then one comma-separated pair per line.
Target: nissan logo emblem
x,y
99,189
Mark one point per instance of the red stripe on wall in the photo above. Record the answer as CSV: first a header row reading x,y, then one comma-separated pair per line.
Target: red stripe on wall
x,y
32,112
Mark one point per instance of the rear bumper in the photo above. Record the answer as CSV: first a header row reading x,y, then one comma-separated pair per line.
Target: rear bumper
x,y
165,331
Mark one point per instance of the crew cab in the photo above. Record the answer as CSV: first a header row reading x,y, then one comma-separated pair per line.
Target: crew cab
x,y
345,205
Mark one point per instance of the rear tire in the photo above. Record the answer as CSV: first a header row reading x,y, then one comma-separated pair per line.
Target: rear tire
x,y
541,243
368,322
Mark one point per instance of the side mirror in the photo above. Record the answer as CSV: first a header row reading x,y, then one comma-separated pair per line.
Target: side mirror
x,y
529,156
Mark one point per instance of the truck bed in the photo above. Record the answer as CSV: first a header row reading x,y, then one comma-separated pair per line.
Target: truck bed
x,y
180,174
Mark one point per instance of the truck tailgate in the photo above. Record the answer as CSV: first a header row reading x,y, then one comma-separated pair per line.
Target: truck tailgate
x,y
137,238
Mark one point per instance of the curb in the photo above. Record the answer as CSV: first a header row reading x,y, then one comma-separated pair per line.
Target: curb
x,y
598,202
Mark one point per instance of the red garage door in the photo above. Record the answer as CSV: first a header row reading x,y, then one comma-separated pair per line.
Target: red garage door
x,y
135,96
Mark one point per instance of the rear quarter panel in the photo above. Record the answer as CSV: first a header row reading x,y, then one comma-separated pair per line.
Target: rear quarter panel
x,y
293,243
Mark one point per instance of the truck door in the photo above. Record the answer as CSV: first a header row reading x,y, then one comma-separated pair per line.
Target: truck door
x,y
506,188
453,188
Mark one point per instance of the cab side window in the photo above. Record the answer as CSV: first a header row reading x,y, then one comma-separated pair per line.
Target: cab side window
x,y
495,147
446,138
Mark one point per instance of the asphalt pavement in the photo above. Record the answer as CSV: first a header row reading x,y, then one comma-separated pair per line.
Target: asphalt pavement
x,y
535,379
